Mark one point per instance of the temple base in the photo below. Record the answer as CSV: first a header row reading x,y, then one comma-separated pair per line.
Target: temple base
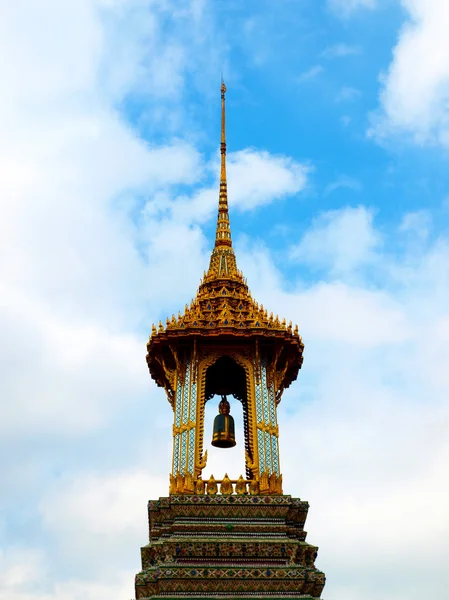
x,y
222,547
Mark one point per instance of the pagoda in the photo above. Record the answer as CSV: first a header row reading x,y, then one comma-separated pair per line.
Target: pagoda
x,y
240,536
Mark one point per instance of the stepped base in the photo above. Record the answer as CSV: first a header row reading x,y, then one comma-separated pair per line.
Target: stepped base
x,y
232,595
223,547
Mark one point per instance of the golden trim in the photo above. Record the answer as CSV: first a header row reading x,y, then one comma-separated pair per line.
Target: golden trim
x,y
257,364
201,463
226,488
254,465
223,133
218,436
271,429
183,427
240,486
175,441
203,365
224,320
185,484
200,406
194,371
190,423
212,487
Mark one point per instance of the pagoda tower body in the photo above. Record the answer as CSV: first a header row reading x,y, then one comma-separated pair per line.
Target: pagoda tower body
x,y
226,538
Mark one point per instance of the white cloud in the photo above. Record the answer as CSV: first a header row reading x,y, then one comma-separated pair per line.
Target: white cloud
x,y
88,261
80,269
311,73
93,248
77,378
339,240
76,278
415,90
348,94
94,510
417,223
24,576
342,182
347,7
255,178
364,414
351,315
340,50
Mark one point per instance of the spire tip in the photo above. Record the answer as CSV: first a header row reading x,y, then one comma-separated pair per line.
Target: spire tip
x,y
223,233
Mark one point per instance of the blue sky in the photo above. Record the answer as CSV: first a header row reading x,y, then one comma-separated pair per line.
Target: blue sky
x,y
338,138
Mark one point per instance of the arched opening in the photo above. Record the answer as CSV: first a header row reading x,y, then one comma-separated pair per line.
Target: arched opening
x,y
226,377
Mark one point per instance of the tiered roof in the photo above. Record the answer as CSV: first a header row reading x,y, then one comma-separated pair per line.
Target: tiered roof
x,y
223,305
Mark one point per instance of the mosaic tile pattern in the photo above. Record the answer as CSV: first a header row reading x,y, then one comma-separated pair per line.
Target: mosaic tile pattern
x,y
266,416
185,414
176,438
192,432
274,439
228,546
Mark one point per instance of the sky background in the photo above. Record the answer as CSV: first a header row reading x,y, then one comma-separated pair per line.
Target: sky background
x,y
338,141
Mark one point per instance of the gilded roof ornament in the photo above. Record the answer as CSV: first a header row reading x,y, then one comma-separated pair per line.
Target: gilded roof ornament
x,y
223,304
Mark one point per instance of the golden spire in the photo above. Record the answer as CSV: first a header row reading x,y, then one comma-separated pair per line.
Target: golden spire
x,y
223,133
222,261
223,234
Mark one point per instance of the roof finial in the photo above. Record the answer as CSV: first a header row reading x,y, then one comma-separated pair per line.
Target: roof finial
x,y
223,133
223,234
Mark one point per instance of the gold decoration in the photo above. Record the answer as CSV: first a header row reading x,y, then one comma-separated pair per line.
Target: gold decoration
x,y
182,484
279,489
264,483
224,305
271,429
226,486
254,487
199,486
223,319
183,427
212,487
201,463
251,464
188,483
194,362
242,358
240,486
216,304
257,363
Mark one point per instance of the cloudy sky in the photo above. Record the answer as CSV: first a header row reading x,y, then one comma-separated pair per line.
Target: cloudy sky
x,y
338,139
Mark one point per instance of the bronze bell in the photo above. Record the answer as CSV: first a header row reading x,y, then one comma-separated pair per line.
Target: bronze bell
x,y
224,429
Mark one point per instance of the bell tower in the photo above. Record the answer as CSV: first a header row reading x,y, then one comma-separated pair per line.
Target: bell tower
x,y
235,537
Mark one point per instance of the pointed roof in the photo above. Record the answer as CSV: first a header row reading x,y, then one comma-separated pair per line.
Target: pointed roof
x,y
223,305
222,260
